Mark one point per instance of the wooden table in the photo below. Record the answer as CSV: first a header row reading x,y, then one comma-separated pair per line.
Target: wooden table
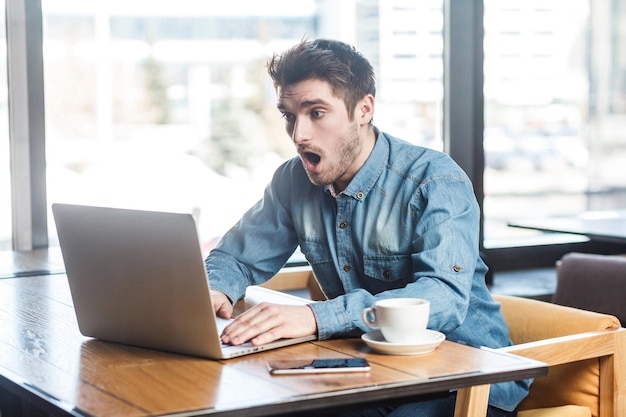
x,y
28,263
606,226
47,365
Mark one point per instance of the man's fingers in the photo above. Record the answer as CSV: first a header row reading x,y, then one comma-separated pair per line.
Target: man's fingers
x,y
268,322
249,325
225,311
221,304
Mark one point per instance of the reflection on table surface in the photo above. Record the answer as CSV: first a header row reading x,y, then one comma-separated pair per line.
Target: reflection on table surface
x,y
604,225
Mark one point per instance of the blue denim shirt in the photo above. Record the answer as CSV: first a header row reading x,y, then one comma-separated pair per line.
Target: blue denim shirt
x,y
407,225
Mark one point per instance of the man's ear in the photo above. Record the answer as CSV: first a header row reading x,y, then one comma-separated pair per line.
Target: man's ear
x,y
365,109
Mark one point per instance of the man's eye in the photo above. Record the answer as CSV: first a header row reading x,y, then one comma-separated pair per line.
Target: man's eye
x,y
288,117
317,114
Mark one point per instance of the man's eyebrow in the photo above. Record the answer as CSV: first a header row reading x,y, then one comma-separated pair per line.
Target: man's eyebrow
x,y
305,104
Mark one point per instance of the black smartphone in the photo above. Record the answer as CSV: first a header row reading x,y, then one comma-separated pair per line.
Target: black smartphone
x,y
315,366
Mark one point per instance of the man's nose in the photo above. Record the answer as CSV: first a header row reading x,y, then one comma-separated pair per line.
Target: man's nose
x,y
301,131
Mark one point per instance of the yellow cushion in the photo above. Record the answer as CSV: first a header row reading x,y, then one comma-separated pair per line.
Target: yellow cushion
x,y
573,383
531,320
564,411
568,384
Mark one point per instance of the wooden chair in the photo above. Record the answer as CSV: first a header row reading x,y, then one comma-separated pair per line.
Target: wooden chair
x,y
296,278
585,352
592,282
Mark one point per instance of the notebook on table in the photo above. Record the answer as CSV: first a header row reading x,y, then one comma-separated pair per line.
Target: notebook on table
x,y
137,277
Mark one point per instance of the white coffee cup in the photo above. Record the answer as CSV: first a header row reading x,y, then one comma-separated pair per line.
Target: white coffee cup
x,y
400,320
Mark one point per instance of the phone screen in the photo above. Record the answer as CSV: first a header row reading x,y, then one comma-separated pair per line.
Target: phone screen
x,y
319,366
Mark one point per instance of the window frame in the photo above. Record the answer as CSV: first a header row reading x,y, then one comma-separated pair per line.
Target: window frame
x,y
26,124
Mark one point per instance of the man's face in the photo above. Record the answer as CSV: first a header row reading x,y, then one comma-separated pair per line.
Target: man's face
x,y
330,144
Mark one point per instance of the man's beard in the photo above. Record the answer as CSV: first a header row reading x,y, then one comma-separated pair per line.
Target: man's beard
x,y
348,152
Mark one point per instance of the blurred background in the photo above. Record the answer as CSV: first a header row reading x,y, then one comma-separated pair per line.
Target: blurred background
x,y
167,105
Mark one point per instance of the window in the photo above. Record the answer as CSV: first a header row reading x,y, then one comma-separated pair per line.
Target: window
x,y
165,106
554,112
168,106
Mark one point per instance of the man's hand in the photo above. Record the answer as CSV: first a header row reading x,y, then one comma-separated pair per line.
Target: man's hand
x,y
267,322
221,304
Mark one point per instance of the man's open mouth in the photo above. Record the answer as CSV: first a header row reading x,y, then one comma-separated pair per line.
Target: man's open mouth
x,y
313,158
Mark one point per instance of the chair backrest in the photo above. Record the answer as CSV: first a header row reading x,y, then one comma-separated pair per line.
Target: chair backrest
x,y
296,278
574,343
592,282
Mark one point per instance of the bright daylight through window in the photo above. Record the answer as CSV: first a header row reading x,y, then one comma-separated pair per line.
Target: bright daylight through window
x,y
168,106
554,112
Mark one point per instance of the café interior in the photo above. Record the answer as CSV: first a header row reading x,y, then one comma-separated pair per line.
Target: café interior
x,y
165,105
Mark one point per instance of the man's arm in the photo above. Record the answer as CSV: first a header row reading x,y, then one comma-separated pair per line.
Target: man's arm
x,y
443,259
255,248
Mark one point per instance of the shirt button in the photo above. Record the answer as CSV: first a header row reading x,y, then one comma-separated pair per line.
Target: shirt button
x,y
457,268
360,195
347,268
343,224
387,274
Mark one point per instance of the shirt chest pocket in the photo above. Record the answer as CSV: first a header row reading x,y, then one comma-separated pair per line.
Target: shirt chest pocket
x,y
388,268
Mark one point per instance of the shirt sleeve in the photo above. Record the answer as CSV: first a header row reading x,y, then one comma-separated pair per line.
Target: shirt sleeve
x,y
249,253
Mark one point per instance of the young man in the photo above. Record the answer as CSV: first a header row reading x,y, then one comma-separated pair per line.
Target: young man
x,y
375,217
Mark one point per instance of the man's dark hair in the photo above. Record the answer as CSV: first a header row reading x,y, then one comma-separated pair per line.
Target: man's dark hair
x,y
349,74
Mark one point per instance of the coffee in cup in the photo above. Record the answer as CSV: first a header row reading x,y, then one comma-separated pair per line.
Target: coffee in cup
x,y
400,320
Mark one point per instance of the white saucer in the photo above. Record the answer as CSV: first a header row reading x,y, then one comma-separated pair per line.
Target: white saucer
x,y
376,341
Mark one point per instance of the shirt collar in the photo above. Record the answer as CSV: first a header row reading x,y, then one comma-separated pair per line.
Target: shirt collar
x,y
367,176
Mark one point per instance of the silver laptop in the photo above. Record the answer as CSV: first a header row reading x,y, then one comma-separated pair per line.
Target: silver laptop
x,y
138,277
